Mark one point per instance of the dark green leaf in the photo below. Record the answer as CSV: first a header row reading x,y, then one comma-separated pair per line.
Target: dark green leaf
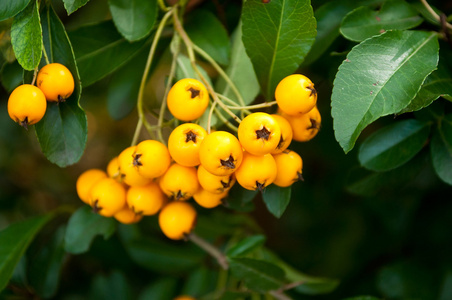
x,y
123,89
393,145
162,289
276,199
83,226
160,256
446,289
26,36
247,245
207,32
9,9
362,298
110,287
372,81
100,50
63,131
73,5
309,285
14,240
45,267
258,275
134,18
200,281
437,84
441,149
240,199
240,71
277,36
365,22
11,76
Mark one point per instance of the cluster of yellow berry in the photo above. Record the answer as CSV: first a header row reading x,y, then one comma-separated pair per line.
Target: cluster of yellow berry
x,y
27,103
151,177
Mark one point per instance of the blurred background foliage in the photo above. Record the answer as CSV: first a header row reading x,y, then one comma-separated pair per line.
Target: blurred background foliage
x,y
388,236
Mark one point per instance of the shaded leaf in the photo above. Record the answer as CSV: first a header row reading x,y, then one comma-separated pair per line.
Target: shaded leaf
x,y
26,36
276,199
363,298
83,227
134,18
240,199
72,5
113,286
365,22
162,289
277,36
393,145
258,275
309,285
380,77
100,50
9,9
246,245
45,267
11,76
14,240
63,131
441,150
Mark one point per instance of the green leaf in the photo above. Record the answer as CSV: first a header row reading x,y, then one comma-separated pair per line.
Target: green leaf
x,y
184,69
134,18
365,22
240,71
380,77
247,245
160,256
26,36
362,298
100,50
207,32
9,9
72,5
122,92
63,131
14,240
393,145
11,76
437,84
200,281
277,36
309,285
162,289
240,199
258,275
45,266
113,286
441,149
83,227
276,199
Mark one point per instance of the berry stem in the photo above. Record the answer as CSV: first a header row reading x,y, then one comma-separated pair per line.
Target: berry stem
x,y
44,52
225,121
141,118
256,106
209,248
176,40
163,6
35,73
434,14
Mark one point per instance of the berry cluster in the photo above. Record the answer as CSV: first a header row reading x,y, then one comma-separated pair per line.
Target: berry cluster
x,y
151,178
27,103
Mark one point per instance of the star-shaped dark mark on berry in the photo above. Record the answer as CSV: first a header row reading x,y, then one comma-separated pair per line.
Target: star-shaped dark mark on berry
x,y
194,92
190,136
228,163
263,133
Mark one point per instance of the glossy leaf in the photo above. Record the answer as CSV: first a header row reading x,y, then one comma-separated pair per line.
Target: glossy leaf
x,y
26,36
373,81
83,227
63,131
437,84
246,245
45,267
258,275
365,22
100,50
72,5
277,36
240,71
9,9
207,32
14,240
134,18
276,199
441,150
310,285
393,145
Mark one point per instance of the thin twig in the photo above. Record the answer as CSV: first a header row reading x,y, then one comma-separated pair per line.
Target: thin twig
x,y
433,13
209,248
